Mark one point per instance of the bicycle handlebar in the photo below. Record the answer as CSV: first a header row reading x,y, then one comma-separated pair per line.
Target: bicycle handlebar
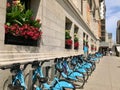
x,y
16,65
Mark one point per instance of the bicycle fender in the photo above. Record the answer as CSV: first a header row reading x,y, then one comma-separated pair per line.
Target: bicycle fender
x,y
46,86
37,88
63,84
64,75
81,70
76,74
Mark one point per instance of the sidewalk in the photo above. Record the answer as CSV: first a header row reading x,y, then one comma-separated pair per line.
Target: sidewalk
x,y
106,75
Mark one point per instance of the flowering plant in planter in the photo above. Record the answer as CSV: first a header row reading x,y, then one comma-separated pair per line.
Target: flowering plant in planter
x,y
68,40
92,47
76,41
20,23
95,48
84,42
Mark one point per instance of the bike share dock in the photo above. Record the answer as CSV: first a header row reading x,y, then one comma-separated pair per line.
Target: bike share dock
x,y
106,75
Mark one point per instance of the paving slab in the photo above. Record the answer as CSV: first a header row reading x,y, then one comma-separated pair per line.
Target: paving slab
x,y
106,75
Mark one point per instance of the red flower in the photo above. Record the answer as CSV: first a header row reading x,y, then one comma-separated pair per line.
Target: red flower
x,y
26,31
76,44
95,48
68,42
8,5
38,20
6,28
30,34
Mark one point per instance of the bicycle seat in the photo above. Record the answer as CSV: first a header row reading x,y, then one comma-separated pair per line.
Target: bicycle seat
x,y
43,79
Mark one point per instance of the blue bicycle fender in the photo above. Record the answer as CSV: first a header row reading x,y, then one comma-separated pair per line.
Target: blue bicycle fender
x,y
89,64
82,70
76,74
46,86
86,66
64,75
37,88
63,84
72,78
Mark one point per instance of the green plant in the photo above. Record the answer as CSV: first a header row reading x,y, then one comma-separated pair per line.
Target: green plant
x,y
76,41
68,40
20,22
76,38
67,34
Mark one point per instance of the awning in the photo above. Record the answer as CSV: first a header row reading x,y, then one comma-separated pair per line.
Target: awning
x,y
118,48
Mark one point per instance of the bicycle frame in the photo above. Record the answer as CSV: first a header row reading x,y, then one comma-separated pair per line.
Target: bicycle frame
x,y
19,76
77,66
70,73
38,71
56,84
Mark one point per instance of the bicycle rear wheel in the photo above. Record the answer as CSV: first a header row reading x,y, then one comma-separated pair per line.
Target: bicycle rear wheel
x,y
86,76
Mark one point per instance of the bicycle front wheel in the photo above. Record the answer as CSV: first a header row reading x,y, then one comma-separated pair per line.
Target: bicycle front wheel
x,y
7,84
80,82
32,85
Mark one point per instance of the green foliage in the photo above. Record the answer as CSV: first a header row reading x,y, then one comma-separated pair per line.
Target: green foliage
x,y
13,16
67,34
16,14
75,39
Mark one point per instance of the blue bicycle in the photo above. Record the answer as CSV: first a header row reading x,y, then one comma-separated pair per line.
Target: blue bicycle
x,y
40,82
75,64
76,77
16,80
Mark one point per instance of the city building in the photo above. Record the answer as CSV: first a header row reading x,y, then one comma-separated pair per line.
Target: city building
x,y
102,15
106,40
79,18
110,41
118,33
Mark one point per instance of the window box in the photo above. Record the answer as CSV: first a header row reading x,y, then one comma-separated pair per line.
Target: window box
x,y
19,40
21,28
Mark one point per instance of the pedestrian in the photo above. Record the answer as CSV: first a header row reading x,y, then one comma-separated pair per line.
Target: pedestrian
x,y
110,53
85,48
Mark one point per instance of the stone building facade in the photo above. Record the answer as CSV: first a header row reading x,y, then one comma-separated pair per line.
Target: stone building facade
x,y
54,14
118,33
84,16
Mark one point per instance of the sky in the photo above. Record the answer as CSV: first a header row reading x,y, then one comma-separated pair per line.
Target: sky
x,y
112,16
